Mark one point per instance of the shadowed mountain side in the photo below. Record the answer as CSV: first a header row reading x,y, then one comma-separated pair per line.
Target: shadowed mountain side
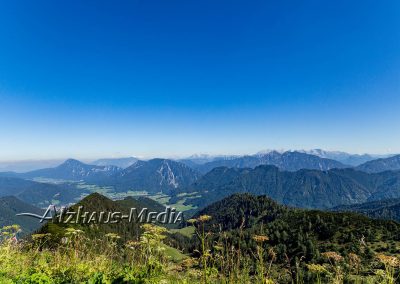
x,y
382,209
304,188
10,206
381,165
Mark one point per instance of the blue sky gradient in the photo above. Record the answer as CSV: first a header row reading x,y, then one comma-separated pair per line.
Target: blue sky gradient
x,y
91,79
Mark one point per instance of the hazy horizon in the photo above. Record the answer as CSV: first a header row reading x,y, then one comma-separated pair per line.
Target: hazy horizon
x,y
176,157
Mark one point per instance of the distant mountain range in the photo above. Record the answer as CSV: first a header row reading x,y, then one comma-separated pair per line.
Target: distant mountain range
x,y
75,170
343,157
117,162
192,161
294,178
289,161
381,165
156,175
303,188
195,161
163,175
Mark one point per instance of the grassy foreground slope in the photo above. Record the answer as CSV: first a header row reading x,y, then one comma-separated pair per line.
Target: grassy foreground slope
x,y
240,239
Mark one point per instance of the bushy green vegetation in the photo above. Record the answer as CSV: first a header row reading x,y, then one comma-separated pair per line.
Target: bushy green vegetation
x,y
286,245
241,239
78,259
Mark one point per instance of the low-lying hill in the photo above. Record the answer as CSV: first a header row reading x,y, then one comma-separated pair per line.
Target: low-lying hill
x,y
10,206
383,209
141,202
95,204
37,193
295,233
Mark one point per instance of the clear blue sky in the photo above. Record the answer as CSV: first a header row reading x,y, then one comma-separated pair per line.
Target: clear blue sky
x,y
160,78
